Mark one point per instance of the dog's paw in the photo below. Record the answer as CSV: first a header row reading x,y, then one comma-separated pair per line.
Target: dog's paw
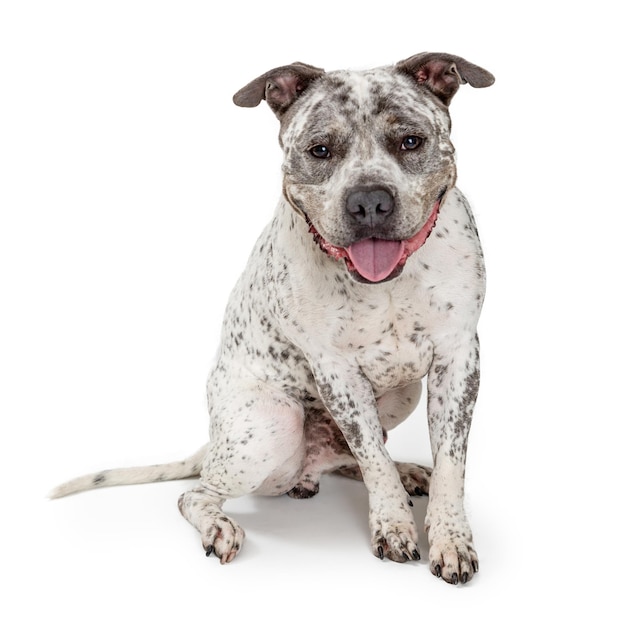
x,y
223,537
452,555
415,478
304,490
395,540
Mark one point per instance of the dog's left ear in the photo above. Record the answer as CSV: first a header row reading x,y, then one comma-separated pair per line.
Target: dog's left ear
x,y
280,87
444,73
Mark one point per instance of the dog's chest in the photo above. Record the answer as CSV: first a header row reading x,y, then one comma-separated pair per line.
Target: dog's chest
x,y
387,341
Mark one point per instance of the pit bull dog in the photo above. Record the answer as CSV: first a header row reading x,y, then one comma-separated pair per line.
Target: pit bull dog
x,y
368,279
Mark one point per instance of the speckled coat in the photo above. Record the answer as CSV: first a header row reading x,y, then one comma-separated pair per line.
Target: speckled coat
x,y
318,359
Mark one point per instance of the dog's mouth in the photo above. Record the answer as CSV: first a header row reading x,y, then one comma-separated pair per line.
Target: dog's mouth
x,y
375,260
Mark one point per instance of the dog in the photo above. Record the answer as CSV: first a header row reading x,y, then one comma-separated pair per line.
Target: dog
x,y
369,278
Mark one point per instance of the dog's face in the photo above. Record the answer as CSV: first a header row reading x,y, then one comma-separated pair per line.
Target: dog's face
x,y
368,156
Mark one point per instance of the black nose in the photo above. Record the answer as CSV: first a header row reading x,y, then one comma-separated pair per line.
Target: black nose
x,y
370,207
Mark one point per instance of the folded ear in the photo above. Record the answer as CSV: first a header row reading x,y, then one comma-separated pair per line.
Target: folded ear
x,y
280,87
444,73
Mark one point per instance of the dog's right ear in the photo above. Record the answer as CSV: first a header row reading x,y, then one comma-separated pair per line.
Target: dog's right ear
x,y
444,73
280,87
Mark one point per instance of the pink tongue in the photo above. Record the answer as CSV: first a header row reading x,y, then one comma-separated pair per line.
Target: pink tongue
x,y
375,259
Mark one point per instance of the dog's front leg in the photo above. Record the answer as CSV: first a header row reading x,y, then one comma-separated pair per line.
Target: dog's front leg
x,y
452,389
349,398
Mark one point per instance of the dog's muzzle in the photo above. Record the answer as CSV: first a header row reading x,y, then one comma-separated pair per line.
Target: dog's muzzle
x,y
372,259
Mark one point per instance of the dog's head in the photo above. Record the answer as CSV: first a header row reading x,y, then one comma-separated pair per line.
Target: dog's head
x,y
368,157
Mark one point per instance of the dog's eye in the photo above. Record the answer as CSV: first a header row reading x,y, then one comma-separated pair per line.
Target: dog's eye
x,y
320,152
411,142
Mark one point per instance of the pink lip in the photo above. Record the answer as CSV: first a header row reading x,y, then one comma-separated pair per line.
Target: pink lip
x,y
396,256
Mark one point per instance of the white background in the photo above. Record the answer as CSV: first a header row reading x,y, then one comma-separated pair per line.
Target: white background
x,y
131,190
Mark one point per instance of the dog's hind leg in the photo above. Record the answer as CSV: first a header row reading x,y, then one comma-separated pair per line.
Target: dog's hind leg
x,y
257,447
326,451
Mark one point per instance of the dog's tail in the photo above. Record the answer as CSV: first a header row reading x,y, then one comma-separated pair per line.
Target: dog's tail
x,y
188,468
